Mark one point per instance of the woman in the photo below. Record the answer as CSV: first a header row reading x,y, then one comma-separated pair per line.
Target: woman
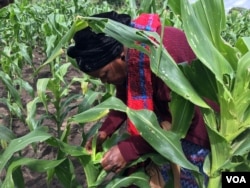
x,y
105,58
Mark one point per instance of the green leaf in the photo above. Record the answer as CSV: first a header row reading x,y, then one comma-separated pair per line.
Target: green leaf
x,y
33,164
62,70
50,41
66,175
13,91
147,6
156,158
89,98
218,144
18,177
241,146
243,44
198,73
99,111
182,112
25,85
198,35
138,178
125,34
164,142
41,86
114,139
175,6
38,135
101,177
67,148
91,170
6,134
89,116
24,52
241,92
31,114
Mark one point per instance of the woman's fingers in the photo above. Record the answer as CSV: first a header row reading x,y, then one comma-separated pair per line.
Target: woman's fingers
x,y
113,160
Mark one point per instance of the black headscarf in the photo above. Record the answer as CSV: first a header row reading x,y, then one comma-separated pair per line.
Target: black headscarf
x,y
92,51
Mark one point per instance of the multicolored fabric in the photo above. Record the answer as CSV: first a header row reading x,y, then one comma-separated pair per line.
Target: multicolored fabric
x,y
147,22
196,155
139,85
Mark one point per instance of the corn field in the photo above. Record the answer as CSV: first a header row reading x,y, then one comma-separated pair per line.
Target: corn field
x,y
48,108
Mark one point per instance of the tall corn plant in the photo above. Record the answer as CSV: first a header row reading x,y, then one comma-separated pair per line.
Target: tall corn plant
x,y
220,74
229,130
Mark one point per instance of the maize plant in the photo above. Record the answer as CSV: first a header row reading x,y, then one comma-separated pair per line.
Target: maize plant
x,y
221,74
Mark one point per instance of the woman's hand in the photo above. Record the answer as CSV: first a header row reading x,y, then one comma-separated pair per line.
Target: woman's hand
x,y
113,160
166,125
101,137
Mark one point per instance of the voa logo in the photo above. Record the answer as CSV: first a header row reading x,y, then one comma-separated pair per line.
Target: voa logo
x,y
236,179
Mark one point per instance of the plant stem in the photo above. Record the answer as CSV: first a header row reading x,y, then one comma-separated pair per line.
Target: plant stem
x,y
214,182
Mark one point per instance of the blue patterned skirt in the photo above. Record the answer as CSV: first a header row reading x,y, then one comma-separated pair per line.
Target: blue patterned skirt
x,y
196,155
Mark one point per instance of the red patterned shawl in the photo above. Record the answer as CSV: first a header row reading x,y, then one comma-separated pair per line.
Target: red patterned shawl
x,y
140,92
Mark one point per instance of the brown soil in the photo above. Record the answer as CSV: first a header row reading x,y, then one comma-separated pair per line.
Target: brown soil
x,y
34,179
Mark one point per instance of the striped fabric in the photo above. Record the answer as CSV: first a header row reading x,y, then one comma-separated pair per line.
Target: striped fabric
x,y
139,85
